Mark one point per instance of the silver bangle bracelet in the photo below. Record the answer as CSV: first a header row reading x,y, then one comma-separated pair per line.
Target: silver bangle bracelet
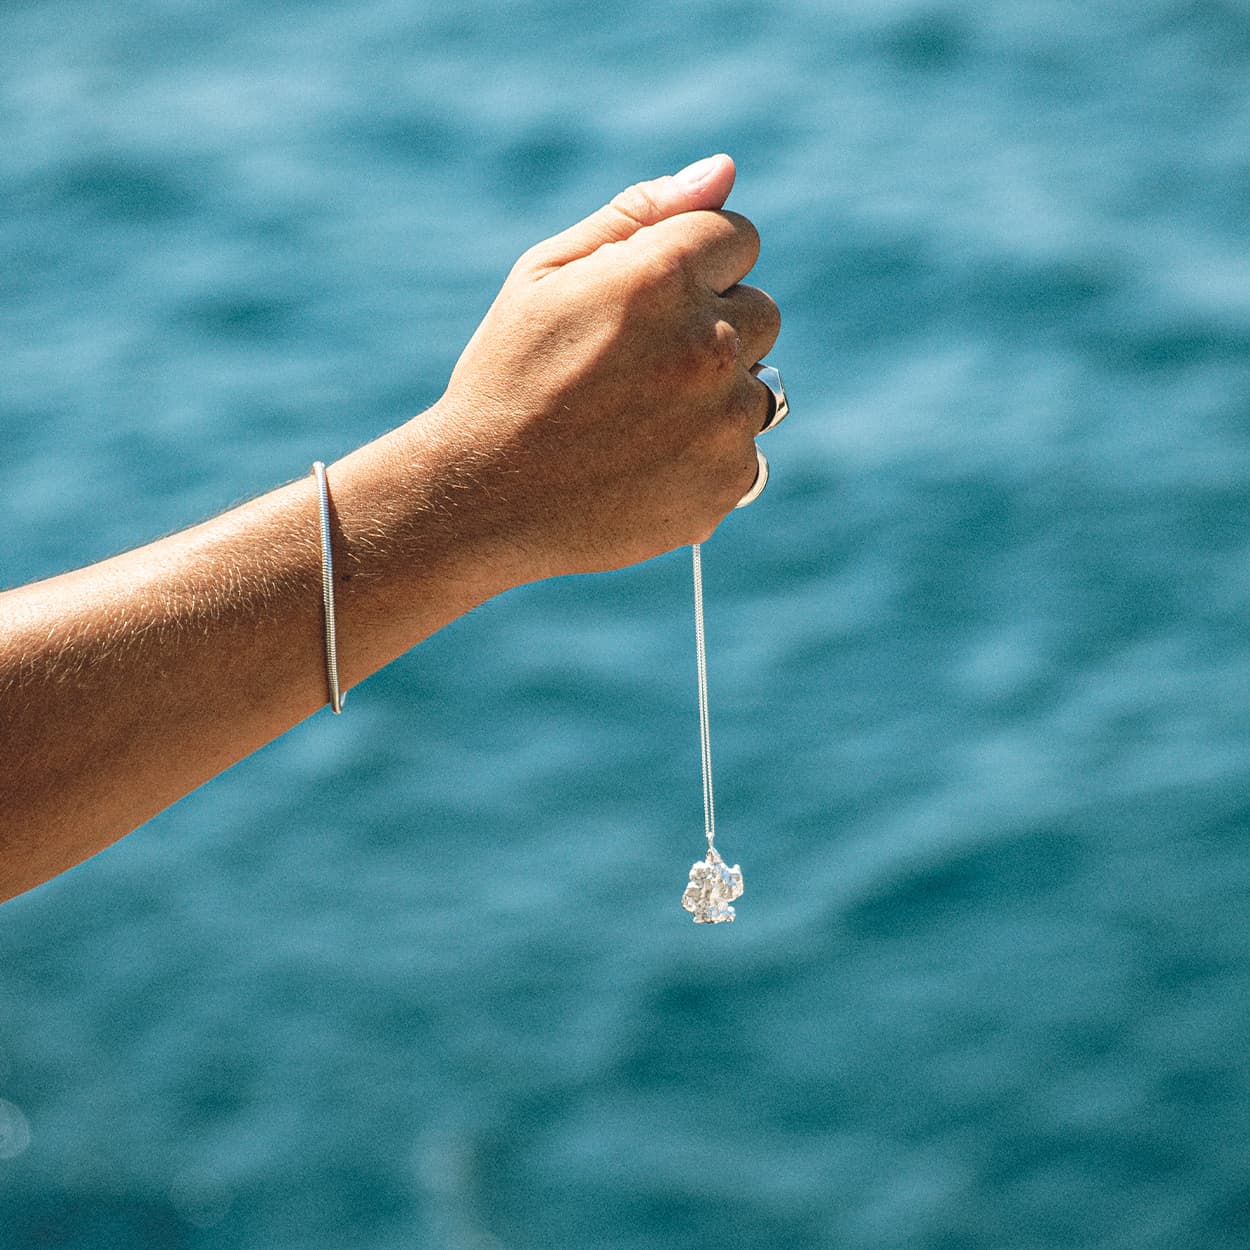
x,y
327,591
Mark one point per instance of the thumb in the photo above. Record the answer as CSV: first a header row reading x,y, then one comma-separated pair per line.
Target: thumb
x,y
704,185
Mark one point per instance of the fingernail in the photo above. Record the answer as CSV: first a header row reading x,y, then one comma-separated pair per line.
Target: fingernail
x,y
694,176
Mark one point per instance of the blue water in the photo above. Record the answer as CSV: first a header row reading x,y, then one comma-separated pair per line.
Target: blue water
x,y
418,977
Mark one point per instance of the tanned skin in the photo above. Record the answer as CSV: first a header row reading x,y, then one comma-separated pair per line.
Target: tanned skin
x,y
602,413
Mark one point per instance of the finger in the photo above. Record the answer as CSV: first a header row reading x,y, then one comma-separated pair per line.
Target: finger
x,y
718,248
749,407
755,317
758,482
704,185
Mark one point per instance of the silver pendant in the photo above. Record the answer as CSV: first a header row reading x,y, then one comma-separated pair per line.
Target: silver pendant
x,y
712,889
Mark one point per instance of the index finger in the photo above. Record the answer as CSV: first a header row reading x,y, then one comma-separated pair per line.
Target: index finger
x,y
720,248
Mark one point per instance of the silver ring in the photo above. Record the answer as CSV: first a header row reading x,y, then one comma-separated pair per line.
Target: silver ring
x,y
780,408
761,480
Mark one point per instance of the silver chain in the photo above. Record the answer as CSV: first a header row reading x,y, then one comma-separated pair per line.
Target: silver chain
x,y
705,733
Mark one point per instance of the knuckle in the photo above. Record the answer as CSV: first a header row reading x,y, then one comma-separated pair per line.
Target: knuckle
x,y
759,317
532,259
636,204
745,229
759,312
663,275
704,351
723,348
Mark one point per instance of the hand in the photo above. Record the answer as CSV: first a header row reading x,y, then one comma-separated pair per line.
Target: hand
x,y
604,411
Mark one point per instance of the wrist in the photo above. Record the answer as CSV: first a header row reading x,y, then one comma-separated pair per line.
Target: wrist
x,y
415,542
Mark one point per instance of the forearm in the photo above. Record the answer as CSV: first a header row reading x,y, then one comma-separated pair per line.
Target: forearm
x,y
127,684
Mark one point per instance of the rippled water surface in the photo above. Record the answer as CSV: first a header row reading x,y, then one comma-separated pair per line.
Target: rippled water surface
x,y
417,976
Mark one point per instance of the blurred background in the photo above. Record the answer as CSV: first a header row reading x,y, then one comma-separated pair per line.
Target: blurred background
x,y
419,976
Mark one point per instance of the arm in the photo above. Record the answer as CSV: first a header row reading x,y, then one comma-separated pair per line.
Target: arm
x,y
602,414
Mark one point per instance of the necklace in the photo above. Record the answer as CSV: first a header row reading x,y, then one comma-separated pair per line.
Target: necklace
x,y
713,884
